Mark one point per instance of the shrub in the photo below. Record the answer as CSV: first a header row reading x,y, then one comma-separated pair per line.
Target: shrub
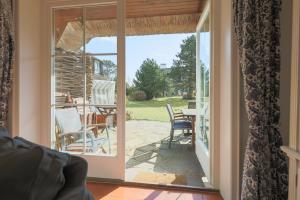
x,y
129,116
130,89
138,95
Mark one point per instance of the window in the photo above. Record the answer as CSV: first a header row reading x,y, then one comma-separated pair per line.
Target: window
x,y
98,69
84,76
204,83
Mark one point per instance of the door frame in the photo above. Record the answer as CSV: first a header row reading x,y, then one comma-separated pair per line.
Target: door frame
x,y
96,166
294,135
226,153
204,155
225,159
224,101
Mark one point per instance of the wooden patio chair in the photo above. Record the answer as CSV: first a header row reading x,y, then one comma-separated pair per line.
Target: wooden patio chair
x,y
93,117
71,132
178,122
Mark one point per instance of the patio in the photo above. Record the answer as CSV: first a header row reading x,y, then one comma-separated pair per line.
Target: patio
x,y
148,158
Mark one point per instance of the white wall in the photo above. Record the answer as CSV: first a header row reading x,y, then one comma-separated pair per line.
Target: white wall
x,y
229,83
27,123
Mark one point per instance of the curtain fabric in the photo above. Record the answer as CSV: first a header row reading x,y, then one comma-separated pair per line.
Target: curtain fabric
x,y
6,57
257,27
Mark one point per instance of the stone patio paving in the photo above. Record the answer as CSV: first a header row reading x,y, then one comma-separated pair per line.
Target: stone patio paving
x,y
147,151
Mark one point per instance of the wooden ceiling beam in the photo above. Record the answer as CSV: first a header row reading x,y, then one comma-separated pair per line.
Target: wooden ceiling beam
x,y
136,9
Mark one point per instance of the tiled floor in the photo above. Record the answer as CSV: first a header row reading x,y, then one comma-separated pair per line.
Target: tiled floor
x,y
115,192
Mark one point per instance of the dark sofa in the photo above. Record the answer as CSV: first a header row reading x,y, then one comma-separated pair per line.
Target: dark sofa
x,y
31,172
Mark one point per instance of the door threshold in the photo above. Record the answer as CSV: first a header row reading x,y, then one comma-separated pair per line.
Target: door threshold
x,y
152,186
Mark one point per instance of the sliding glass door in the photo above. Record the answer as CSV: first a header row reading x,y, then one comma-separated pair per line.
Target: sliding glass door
x,y
203,72
88,87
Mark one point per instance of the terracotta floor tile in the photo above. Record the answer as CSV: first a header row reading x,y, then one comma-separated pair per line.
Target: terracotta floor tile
x,y
115,192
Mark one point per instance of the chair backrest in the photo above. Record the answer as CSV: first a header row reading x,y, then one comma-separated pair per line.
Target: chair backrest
x,y
68,120
103,92
192,104
170,111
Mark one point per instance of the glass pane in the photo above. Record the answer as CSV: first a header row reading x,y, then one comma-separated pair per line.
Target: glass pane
x,y
69,78
69,129
101,29
101,95
204,65
102,121
68,30
85,89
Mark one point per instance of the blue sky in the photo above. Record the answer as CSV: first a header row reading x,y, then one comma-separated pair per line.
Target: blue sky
x,y
205,48
162,48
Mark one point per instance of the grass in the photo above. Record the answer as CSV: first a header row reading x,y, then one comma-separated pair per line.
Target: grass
x,y
155,109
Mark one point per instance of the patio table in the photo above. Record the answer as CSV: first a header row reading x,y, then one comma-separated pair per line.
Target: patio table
x,y
107,108
191,113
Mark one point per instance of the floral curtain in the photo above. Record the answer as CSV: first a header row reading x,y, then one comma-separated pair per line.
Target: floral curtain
x,y
6,57
257,27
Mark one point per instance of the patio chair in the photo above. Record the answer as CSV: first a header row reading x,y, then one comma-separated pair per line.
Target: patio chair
x,y
175,113
178,122
192,104
71,132
93,117
204,121
109,117
103,94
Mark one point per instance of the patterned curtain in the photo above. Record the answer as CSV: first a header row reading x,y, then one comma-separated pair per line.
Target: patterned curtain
x,y
257,27
6,57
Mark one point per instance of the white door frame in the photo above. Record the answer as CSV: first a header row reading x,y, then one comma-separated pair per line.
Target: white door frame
x,y
204,155
225,153
226,149
112,167
294,137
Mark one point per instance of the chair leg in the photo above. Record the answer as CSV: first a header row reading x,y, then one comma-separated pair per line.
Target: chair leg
x,y
109,147
171,137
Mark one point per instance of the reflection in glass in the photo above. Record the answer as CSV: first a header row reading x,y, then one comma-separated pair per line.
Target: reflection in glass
x,y
101,29
103,96
69,78
84,83
68,30
204,66
102,45
73,135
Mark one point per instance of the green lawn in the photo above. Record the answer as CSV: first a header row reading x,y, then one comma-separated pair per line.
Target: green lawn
x,y
155,110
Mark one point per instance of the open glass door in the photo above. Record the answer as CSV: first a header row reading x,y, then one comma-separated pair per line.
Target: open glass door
x,y
88,86
203,92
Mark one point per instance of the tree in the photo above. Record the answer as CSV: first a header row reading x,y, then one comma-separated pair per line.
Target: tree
x,y
149,79
129,89
110,69
183,70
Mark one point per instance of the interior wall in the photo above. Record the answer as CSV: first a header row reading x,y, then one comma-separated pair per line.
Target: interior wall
x,y
229,142
285,47
28,56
